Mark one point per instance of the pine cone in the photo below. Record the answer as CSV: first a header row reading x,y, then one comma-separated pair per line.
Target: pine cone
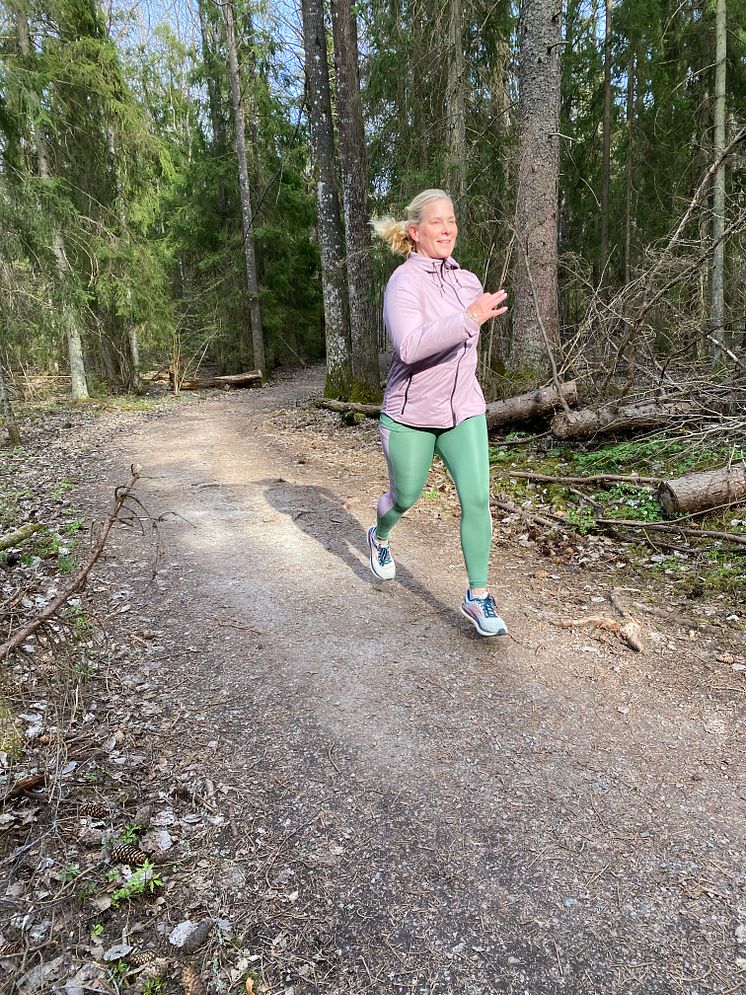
x,y
95,810
142,957
155,968
191,981
126,853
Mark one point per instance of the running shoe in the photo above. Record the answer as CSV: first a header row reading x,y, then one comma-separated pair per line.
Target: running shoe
x,y
381,561
482,613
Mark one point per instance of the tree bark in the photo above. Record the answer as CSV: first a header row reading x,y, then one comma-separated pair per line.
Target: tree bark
x,y
455,104
718,183
363,338
70,320
618,418
11,425
538,176
333,276
629,159
247,220
606,163
525,407
699,491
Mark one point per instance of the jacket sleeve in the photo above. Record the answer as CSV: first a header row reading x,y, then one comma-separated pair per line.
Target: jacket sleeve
x,y
415,340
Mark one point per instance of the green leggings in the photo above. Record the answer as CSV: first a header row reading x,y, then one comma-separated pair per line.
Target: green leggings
x,y
463,449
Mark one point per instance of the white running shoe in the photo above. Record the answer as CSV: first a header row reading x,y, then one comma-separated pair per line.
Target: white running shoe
x,y
381,561
482,613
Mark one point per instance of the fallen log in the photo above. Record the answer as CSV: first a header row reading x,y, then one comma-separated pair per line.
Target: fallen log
x,y
345,407
251,379
699,491
525,407
20,535
587,422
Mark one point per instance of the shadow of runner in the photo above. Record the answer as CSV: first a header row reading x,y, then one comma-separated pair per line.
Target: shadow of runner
x,y
317,512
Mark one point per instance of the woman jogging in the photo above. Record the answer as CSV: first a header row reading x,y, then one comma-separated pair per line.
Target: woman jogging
x,y
433,311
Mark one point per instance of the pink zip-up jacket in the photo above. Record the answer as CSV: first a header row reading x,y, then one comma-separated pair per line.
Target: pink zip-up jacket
x,y
432,380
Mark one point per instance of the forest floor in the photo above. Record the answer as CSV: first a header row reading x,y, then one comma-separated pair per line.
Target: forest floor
x,y
340,786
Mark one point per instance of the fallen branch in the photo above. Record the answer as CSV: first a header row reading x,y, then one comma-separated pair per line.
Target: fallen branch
x,y
628,632
588,422
20,535
529,516
20,635
598,478
738,538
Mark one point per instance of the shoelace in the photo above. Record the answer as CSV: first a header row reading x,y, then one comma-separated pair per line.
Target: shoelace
x,y
488,606
383,555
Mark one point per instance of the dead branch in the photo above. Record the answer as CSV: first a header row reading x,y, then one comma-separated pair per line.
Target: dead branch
x,y
627,523
20,635
20,535
597,478
628,632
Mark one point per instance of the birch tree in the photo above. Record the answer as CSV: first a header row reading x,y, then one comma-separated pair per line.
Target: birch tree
x,y
333,277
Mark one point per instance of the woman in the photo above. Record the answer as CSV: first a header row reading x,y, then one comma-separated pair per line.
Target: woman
x,y
433,311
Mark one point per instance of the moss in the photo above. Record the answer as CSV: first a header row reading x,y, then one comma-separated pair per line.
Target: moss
x,y
11,740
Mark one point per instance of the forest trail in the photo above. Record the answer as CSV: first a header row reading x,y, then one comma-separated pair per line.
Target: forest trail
x,y
537,814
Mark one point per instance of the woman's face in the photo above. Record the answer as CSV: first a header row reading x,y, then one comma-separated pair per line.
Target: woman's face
x,y
435,236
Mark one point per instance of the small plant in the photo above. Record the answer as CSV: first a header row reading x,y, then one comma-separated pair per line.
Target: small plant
x,y
71,872
73,527
66,564
144,880
153,986
97,929
112,874
131,833
61,489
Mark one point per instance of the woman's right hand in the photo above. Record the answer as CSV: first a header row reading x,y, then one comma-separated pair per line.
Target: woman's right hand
x,y
487,306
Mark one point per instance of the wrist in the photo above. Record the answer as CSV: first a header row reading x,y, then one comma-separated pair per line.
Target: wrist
x,y
471,314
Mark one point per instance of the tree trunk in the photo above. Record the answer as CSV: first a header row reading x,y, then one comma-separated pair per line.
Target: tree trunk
x,y
132,337
333,276
534,404
455,104
252,286
606,164
70,320
210,47
588,422
11,425
363,339
538,174
698,491
718,183
629,158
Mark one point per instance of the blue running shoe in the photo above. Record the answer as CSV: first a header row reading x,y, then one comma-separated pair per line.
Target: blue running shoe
x,y
482,613
381,561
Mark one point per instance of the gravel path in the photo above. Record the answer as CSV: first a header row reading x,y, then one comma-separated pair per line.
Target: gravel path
x,y
403,806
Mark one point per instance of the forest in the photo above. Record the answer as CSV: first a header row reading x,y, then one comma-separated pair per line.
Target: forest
x,y
190,186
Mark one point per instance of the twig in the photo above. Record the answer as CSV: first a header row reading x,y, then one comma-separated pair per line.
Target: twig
x,y
20,635
25,784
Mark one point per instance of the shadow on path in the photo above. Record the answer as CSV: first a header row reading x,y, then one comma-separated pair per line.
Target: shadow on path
x,y
318,513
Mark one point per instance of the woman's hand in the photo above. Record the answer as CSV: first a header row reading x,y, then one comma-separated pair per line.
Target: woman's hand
x,y
487,306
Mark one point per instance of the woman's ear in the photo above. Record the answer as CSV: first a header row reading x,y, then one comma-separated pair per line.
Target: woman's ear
x,y
413,233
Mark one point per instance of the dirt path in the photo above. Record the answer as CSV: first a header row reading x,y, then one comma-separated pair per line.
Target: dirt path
x,y
401,806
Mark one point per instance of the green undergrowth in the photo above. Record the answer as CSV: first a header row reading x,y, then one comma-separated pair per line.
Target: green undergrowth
x,y
697,568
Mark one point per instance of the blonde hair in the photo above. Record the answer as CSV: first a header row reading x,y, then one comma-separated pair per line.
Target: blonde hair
x,y
394,233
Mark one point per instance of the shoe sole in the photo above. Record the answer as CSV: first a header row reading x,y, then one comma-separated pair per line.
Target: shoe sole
x,y
476,625
370,560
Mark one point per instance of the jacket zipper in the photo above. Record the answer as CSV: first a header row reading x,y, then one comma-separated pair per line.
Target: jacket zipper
x,y
406,394
455,383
